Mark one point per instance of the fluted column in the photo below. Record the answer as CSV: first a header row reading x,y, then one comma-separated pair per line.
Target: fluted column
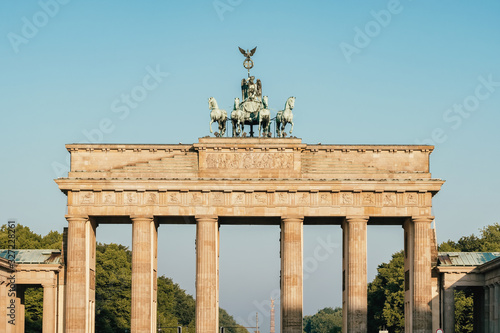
x,y
291,274
486,309
491,305
49,308
144,268
80,280
207,274
418,286
495,301
449,309
354,279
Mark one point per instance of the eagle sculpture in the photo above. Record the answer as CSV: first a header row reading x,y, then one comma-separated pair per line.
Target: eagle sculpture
x,y
247,53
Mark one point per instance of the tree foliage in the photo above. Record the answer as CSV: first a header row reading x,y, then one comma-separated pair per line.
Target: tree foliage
x,y
113,286
386,296
489,241
464,307
326,320
27,239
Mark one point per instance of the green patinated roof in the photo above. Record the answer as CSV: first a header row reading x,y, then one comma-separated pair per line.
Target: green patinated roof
x,y
466,258
34,256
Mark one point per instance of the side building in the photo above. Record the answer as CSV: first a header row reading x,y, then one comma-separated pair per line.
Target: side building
x,y
476,271
32,269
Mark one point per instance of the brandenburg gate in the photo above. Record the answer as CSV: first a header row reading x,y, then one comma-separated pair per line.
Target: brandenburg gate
x,y
217,181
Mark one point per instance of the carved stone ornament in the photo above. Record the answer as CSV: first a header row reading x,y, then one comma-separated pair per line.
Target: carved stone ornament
x,y
250,161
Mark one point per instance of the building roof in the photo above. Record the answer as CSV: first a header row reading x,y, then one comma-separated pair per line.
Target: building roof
x,y
465,258
46,256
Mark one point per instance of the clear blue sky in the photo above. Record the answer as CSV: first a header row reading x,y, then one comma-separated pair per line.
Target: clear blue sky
x,y
400,79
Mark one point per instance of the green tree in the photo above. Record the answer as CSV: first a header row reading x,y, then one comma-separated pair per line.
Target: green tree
x,y
386,296
27,239
113,288
489,241
227,320
326,320
464,307
33,300
490,238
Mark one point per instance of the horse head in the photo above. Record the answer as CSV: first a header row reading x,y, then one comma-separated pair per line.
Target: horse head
x,y
291,102
265,102
211,101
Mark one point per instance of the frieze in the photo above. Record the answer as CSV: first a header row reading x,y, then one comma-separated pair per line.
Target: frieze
x,y
174,198
411,199
195,198
109,198
304,198
389,199
260,198
325,199
86,197
217,199
151,198
249,161
282,198
238,198
313,198
368,199
346,198
130,198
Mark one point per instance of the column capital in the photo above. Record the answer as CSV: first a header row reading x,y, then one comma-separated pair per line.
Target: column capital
x,y
422,219
289,219
49,285
206,218
77,218
355,218
141,218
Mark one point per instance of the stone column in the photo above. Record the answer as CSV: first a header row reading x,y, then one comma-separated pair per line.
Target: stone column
x,y
486,309
49,308
20,316
449,310
207,274
354,275
144,273
496,304
4,301
291,274
418,290
493,326
20,313
80,278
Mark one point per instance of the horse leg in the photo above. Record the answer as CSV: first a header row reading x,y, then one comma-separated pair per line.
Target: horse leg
x,y
221,128
260,126
291,129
